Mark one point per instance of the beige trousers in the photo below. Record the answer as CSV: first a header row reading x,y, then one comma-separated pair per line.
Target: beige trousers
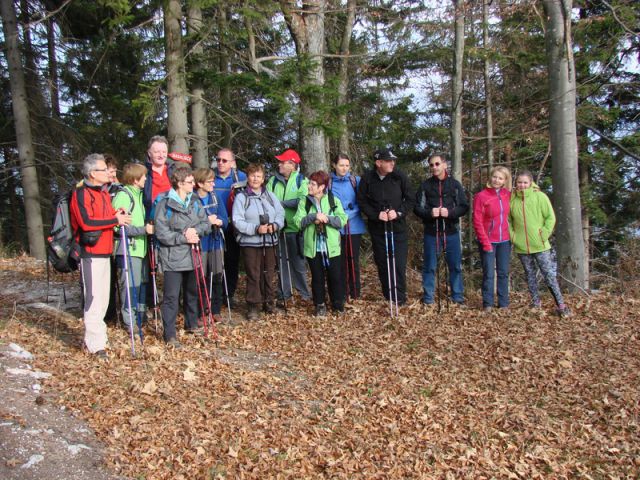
x,y
96,279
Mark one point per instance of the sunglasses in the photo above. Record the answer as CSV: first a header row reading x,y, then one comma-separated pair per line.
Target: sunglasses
x,y
223,160
435,164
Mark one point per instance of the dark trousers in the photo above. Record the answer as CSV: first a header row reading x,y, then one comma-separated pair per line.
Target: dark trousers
x,y
112,310
260,264
171,301
332,275
496,262
351,263
231,261
399,249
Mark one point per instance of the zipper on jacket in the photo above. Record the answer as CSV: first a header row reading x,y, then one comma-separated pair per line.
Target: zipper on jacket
x,y
524,221
501,213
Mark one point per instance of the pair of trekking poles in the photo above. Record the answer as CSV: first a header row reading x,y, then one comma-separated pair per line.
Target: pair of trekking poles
x,y
278,259
205,291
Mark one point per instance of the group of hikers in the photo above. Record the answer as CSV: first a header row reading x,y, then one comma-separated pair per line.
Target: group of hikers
x,y
195,225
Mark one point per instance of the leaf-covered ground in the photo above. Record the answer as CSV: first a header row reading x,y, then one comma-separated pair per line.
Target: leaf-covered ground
x,y
462,394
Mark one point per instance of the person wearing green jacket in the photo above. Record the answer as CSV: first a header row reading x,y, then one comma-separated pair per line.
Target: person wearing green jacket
x,y
129,198
320,217
531,223
290,187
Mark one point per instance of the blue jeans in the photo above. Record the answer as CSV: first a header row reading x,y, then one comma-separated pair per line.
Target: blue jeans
x,y
496,261
453,256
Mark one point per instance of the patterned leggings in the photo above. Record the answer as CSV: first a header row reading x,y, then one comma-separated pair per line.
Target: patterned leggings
x,y
547,266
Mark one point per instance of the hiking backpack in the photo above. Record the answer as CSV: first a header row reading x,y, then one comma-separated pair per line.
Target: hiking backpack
x,y
62,248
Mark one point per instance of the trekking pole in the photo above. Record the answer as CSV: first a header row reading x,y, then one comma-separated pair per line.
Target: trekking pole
x,y
445,265
276,250
220,232
136,296
393,268
386,249
203,294
350,261
153,264
286,254
123,241
438,285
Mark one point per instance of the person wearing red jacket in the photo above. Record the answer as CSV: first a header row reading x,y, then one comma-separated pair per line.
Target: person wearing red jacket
x,y
491,223
93,219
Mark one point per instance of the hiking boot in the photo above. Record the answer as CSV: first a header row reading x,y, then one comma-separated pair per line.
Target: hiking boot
x,y
101,355
252,312
136,329
173,342
321,310
269,308
280,303
487,309
563,311
195,331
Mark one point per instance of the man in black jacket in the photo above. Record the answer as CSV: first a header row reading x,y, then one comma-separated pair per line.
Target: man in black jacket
x,y
440,202
385,197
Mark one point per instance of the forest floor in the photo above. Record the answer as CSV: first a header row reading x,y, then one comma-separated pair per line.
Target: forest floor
x,y
461,394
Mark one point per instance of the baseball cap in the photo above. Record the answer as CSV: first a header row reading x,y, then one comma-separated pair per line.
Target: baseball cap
x,y
289,155
384,154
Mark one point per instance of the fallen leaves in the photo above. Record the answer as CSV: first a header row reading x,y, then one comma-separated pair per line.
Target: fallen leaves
x,y
455,395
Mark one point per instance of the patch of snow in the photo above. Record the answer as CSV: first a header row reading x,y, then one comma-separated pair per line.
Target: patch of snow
x,y
23,371
75,449
32,461
19,352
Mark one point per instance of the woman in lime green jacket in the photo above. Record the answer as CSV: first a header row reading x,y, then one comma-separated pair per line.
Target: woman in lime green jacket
x,y
531,223
320,217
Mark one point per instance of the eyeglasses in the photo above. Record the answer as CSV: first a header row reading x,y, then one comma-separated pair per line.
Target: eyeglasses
x,y
435,164
210,181
223,160
190,182
100,170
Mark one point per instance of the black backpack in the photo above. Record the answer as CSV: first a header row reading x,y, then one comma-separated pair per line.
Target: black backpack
x,y
62,248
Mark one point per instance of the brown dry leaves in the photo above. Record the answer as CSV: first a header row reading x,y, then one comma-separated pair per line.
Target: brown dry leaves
x,y
458,395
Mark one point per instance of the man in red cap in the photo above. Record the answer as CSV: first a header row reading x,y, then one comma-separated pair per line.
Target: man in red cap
x,y
290,186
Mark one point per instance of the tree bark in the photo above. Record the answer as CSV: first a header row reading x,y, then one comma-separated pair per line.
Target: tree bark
x,y
197,106
26,153
307,29
343,75
177,123
457,85
564,146
488,100
223,63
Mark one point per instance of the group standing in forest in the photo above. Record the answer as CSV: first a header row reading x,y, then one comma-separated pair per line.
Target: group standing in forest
x,y
197,225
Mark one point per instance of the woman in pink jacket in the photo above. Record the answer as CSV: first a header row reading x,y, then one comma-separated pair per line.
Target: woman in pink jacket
x,y
490,221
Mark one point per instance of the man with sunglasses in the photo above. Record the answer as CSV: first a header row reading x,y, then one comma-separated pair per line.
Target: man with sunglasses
x,y
440,202
385,197
227,179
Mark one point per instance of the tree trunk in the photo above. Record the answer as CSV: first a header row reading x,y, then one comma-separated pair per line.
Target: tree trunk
x,y
223,63
177,123
26,154
343,75
564,146
488,101
197,106
54,90
457,87
307,29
